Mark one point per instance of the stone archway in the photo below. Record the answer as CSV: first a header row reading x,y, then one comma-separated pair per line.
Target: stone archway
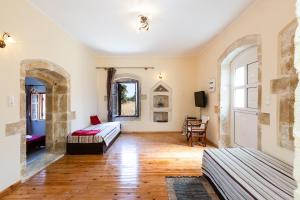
x,y
224,62
58,114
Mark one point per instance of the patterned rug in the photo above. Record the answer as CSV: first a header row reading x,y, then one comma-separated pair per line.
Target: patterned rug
x,y
190,188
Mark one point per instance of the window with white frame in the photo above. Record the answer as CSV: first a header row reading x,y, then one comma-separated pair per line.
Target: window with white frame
x,y
126,99
245,86
38,106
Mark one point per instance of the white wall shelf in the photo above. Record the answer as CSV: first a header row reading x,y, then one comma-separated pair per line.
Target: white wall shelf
x,y
161,102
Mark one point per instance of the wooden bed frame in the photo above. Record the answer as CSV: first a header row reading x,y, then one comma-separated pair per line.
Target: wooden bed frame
x,y
89,148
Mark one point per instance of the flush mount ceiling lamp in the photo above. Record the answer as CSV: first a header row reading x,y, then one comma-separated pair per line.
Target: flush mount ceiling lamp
x,y
143,23
6,38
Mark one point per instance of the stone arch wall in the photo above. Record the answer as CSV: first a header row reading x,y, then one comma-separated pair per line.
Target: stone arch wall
x,y
296,128
224,62
284,86
58,115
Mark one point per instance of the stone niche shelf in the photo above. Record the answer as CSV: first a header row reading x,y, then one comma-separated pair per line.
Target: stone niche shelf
x,y
161,102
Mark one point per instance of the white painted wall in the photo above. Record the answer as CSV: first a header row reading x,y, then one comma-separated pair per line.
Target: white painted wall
x,y
266,18
179,74
38,38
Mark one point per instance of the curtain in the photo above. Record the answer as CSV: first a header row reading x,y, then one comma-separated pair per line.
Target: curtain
x,y
28,110
110,77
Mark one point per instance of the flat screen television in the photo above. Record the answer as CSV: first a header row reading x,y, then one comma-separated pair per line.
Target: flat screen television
x,y
200,99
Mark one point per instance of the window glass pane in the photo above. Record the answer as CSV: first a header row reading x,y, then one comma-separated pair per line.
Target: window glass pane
x,y
252,98
239,76
252,73
128,99
239,98
34,107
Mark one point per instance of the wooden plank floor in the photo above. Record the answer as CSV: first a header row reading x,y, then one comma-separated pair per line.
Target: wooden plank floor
x,y
134,168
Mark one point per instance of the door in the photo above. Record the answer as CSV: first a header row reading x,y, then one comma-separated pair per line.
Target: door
x,y
245,98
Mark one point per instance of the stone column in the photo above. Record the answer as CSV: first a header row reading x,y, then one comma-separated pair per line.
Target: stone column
x,y
297,108
22,121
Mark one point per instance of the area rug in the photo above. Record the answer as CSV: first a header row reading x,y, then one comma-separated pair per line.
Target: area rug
x,y
190,188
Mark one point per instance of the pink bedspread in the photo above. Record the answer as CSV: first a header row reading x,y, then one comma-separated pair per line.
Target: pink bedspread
x,y
35,138
85,132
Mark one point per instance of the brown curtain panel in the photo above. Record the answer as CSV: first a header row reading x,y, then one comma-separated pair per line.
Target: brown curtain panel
x,y
110,77
28,110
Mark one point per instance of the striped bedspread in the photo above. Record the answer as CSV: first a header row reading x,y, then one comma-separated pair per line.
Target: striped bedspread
x,y
242,173
108,132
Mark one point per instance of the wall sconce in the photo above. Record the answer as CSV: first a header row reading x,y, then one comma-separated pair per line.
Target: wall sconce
x,y
6,38
160,76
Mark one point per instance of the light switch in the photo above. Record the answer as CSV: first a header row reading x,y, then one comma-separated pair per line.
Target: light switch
x,y
11,101
143,97
267,100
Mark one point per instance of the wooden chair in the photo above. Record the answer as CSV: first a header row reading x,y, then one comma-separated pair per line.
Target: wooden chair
x,y
197,129
185,127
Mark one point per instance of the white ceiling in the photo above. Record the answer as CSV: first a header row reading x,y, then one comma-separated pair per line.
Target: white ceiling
x,y
176,26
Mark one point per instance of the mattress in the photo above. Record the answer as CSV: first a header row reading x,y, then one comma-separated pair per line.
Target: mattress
x,y
242,173
35,138
108,131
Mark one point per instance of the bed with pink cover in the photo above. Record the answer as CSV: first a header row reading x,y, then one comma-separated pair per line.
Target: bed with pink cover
x,y
34,141
95,139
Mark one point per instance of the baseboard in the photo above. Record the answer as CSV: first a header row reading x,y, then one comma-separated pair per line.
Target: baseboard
x,y
136,132
212,143
10,189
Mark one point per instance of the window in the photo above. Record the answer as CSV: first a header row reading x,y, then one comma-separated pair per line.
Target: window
x,y
239,76
239,87
245,86
127,99
239,98
38,106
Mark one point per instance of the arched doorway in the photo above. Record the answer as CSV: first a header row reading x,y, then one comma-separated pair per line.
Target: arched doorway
x,y
57,83
225,129
35,119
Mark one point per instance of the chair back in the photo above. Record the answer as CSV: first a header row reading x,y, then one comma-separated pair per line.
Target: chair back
x,y
204,119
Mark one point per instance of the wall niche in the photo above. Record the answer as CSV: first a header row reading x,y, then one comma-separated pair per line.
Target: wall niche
x,y
161,106
284,86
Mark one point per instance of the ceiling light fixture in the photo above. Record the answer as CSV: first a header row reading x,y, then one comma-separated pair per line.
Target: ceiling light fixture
x,y
6,38
143,23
